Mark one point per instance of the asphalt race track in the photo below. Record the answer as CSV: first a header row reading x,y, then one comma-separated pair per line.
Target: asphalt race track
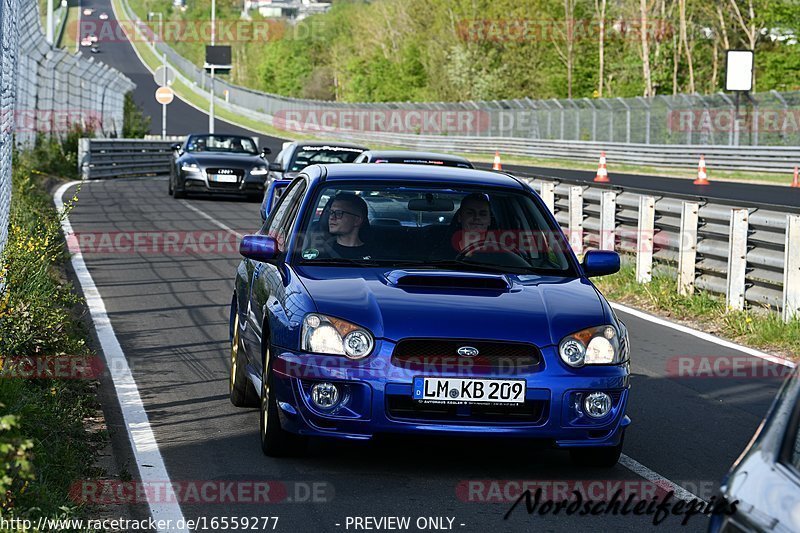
x,y
170,311
169,308
183,118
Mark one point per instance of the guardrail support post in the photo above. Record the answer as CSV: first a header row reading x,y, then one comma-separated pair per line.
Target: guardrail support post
x,y
737,259
548,195
608,220
791,269
687,248
84,157
576,219
644,239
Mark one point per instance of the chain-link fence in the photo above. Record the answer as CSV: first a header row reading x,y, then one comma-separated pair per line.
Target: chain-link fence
x,y
8,72
47,91
762,119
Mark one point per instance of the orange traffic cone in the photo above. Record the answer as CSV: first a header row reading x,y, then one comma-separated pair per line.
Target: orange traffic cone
x,y
796,179
496,165
702,176
602,172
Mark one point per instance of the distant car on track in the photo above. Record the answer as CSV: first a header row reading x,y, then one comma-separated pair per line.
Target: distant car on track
x,y
344,328
296,155
103,16
413,158
765,480
218,163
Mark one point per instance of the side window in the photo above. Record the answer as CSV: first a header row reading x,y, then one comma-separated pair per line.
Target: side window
x,y
279,222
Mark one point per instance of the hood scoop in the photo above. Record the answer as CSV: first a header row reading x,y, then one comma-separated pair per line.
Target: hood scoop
x,y
447,279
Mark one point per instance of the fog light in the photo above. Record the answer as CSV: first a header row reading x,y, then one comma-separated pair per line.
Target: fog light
x,y
597,404
325,395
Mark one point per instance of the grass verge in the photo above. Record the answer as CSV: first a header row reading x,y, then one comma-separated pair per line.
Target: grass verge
x,y
704,311
44,442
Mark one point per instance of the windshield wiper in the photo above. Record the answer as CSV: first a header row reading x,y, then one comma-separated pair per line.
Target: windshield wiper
x,y
339,261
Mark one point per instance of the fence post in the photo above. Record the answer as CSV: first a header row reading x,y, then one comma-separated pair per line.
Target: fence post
x,y
791,269
644,239
608,220
737,259
548,195
687,248
576,219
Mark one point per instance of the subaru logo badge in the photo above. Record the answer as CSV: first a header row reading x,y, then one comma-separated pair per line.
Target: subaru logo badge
x,y
468,351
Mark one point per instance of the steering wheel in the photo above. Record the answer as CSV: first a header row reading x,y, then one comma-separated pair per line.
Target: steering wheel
x,y
514,253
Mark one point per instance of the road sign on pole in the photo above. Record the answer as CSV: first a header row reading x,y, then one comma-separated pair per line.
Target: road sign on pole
x,y
164,95
164,76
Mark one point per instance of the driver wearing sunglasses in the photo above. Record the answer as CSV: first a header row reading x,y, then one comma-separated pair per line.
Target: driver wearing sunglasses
x,y
348,216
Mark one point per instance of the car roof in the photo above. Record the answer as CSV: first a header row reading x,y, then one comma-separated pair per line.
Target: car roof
x,y
219,134
414,173
330,143
416,155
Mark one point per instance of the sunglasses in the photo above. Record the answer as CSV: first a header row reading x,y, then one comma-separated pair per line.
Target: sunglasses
x,y
339,213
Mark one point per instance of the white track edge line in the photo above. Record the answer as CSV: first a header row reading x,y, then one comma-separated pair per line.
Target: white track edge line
x,y
140,433
702,335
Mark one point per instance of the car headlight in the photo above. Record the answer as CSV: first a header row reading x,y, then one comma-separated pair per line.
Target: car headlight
x,y
593,346
191,167
327,335
259,171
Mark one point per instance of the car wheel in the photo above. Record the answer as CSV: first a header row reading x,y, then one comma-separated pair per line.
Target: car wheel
x,y
601,456
241,391
275,441
171,192
179,193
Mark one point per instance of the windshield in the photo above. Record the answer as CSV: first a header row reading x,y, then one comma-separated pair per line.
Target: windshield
x,y
427,227
311,155
221,143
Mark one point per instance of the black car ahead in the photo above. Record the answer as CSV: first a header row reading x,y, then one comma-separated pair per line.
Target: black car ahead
x,y
297,155
218,163
413,158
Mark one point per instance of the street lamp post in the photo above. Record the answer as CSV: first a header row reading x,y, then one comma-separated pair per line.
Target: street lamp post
x,y
213,37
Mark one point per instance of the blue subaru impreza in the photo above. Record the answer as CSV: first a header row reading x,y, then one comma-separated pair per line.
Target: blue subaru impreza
x,y
380,299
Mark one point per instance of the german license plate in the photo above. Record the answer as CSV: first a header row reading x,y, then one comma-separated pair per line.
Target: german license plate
x,y
463,391
224,178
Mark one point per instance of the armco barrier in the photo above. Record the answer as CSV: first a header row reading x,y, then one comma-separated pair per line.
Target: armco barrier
x,y
687,235
123,158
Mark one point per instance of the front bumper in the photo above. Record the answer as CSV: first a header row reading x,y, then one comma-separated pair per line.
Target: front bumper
x,y
199,182
377,399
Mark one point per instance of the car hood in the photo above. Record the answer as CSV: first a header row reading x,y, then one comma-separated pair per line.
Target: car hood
x,y
531,308
207,159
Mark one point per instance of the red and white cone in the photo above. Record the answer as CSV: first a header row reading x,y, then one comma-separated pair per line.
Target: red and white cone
x,y
796,178
497,165
702,175
602,172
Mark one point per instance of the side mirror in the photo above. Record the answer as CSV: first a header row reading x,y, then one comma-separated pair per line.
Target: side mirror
x,y
258,247
176,146
265,150
275,167
600,263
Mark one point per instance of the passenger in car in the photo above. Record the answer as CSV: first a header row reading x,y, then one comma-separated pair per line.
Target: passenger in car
x,y
470,223
348,219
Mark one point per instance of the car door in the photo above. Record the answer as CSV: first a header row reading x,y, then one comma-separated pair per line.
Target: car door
x,y
267,279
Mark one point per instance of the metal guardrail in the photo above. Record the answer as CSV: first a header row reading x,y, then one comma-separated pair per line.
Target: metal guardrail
x,y
687,235
123,158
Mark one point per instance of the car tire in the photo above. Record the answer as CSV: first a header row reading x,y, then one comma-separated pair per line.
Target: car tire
x,y
178,193
601,456
171,191
275,441
242,393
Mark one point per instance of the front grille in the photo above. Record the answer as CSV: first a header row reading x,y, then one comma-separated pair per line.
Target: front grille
x,y
442,355
239,173
404,407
